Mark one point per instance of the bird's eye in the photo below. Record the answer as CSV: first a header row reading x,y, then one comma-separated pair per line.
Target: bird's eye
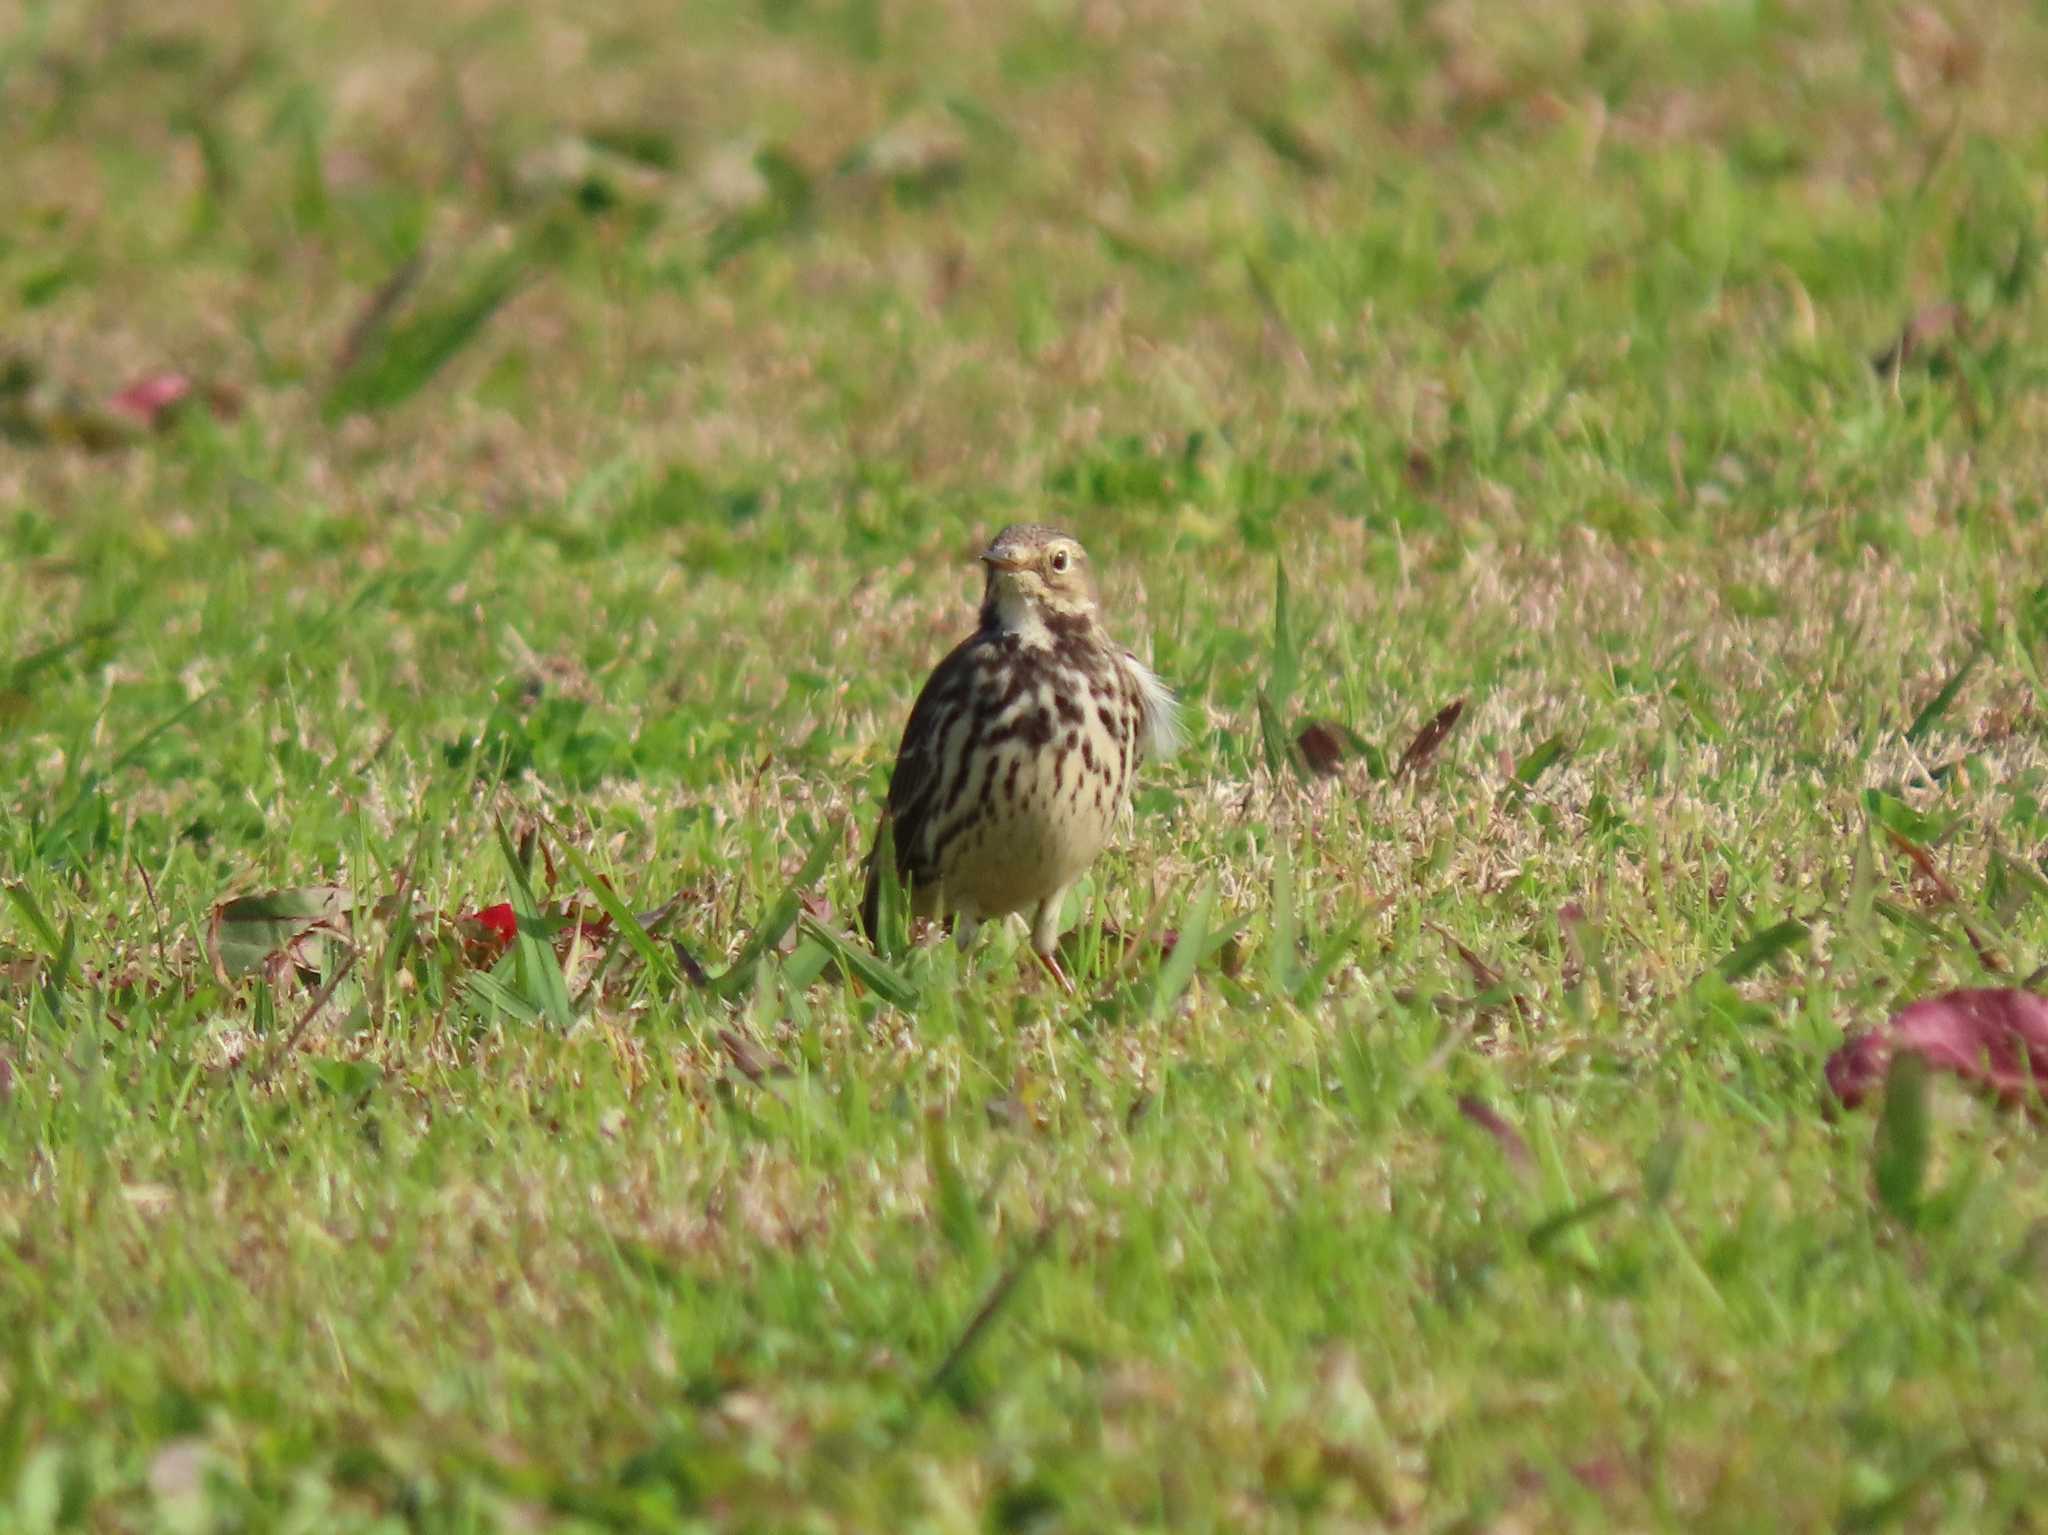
x,y
1059,560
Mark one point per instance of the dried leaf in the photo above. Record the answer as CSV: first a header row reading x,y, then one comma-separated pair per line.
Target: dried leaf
x,y
692,968
1924,862
277,930
1321,748
1994,1038
749,1058
1505,1135
1429,739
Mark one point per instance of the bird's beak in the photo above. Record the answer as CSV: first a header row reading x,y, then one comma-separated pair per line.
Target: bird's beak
x,y
995,561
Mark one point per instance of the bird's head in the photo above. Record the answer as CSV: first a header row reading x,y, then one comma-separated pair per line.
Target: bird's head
x,y
1036,576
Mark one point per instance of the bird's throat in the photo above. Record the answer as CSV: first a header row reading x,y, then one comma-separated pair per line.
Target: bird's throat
x,y
1008,610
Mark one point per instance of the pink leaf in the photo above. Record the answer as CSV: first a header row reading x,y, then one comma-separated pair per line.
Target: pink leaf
x,y
1994,1038
150,396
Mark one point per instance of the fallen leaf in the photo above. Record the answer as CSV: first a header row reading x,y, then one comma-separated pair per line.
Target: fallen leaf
x,y
153,399
1429,739
491,931
692,967
1994,1038
1321,748
1505,1135
150,396
277,930
499,922
753,1062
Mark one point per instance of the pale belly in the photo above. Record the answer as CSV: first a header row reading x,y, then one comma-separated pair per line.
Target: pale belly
x,y
1044,818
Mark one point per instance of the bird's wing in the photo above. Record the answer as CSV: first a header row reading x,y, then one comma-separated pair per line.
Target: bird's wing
x,y
1159,711
920,760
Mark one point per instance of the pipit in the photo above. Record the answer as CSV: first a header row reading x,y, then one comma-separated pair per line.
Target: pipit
x,y
1020,751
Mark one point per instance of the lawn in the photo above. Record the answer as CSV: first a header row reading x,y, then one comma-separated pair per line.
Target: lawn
x,y
474,477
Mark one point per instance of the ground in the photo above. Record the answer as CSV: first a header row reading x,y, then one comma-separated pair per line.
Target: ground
x,y
466,461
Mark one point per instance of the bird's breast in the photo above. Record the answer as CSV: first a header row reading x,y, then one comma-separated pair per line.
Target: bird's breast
x,y
1037,781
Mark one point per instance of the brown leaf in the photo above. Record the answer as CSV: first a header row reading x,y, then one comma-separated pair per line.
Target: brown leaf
x,y
1505,1135
1924,862
1482,972
1429,739
1947,895
692,968
752,1061
1321,748
1994,1038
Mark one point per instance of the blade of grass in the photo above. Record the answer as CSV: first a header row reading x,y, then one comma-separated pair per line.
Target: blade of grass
x,y
539,970
1761,948
985,1314
1931,712
884,980
623,920
779,918
396,361
1898,1153
32,914
1179,968
1280,753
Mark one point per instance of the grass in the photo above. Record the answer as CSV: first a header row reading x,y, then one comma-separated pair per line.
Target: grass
x,y
594,413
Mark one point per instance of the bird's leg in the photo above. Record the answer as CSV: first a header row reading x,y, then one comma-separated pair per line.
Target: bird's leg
x,y
1045,937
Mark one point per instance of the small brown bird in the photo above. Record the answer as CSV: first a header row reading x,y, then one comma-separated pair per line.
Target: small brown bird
x,y
1020,751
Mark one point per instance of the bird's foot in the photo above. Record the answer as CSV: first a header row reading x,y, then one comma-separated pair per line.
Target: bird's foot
x,y
1051,961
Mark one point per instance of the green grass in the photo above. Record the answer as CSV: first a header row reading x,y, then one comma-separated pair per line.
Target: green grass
x,y
599,408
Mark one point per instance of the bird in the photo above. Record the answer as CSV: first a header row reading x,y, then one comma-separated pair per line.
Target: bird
x,y
1020,751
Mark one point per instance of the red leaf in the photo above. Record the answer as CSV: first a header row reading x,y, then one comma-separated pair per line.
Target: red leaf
x,y
487,934
1994,1038
499,921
